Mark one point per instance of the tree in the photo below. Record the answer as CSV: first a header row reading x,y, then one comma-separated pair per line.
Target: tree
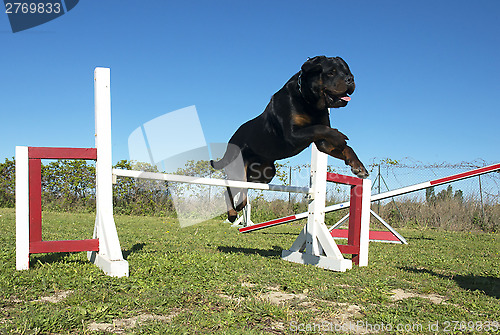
x,y
68,184
7,183
447,194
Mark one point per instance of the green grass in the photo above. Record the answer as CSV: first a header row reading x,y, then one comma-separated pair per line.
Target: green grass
x,y
209,279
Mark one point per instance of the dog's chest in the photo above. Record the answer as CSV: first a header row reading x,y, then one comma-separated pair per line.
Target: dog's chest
x,y
304,120
301,120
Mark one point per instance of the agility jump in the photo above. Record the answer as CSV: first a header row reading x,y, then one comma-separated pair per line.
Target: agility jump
x,y
314,244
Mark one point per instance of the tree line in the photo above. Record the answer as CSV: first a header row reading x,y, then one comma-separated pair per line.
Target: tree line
x,y
70,185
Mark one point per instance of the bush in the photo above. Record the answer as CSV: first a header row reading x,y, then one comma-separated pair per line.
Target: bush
x,y
68,185
7,183
447,213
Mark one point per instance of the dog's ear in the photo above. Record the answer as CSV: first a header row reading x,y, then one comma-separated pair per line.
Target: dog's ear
x,y
313,65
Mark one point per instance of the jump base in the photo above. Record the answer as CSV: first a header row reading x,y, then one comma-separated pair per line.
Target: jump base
x,y
113,268
324,262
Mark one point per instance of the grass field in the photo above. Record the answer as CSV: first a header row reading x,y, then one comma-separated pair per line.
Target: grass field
x,y
209,279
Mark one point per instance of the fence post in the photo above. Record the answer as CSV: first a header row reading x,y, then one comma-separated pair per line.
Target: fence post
x,y
481,197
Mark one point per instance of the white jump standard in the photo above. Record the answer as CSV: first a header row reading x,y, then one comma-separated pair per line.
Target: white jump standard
x,y
314,244
109,258
104,249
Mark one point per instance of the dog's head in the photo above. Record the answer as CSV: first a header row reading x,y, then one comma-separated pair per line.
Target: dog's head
x,y
326,81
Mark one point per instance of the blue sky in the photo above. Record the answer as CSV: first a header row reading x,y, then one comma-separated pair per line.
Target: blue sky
x,y
427,72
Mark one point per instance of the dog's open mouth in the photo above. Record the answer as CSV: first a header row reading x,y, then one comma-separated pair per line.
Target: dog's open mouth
x,y
336,100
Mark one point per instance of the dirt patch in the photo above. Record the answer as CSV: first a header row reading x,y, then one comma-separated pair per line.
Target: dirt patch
x,y
344,318
238,300
343,315
121,325
347,312
279,298
274,295
56,297
344,286
399,294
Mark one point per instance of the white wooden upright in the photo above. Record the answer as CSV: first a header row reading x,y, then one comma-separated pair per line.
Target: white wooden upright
x,y
364,238
22,209
110,257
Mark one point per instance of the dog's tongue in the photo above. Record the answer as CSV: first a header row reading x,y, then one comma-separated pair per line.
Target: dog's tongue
x,y
346,98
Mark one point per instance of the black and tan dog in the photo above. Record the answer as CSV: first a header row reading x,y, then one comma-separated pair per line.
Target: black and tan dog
x,y
296,116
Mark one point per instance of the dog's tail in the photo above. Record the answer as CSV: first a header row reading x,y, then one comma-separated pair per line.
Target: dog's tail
x,y
218,165
232,152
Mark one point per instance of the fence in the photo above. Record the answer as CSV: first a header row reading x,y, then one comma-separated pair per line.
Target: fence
x,y
471,204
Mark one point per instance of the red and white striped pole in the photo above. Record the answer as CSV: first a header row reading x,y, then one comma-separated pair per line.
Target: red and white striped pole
x,y
380,196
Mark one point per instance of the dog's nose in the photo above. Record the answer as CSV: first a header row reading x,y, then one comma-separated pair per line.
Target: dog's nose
x,y
349,80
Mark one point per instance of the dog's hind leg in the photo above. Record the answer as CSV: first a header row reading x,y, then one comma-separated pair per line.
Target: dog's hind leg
x,y
231,211
242,200
233,164
256,172
236,200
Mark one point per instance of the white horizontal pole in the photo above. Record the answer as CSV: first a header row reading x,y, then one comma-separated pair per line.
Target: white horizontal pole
x,y
208,181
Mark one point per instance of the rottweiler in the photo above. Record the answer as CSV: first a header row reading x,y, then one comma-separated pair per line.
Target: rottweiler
x,y
296,116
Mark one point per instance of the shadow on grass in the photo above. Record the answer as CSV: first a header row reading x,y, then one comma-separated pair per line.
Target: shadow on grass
x,y
278,233
55,257
37,259
274,252
420,238
489,285
136,247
